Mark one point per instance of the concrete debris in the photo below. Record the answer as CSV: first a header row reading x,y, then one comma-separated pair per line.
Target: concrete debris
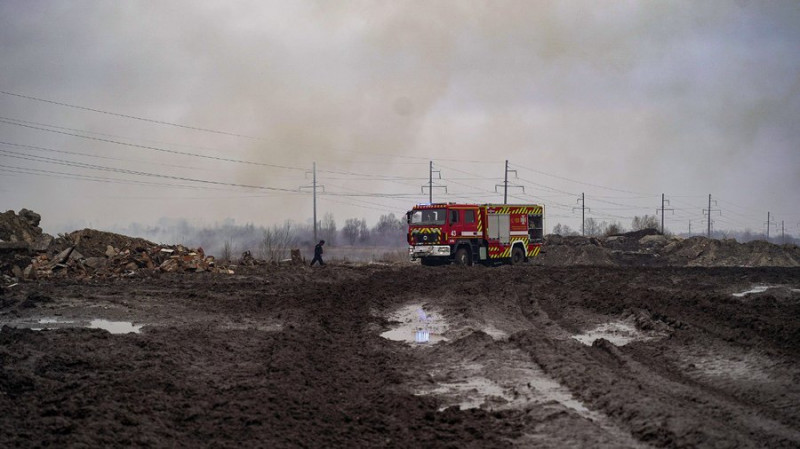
x,y
26,253
70,262
21,228
296,257
247,260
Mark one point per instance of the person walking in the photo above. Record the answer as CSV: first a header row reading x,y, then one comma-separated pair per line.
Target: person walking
x,y
318,254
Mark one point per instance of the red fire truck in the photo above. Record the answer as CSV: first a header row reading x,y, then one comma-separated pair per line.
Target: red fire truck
x,y
468,233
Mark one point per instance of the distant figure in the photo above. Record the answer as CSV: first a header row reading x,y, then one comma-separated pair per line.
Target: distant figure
x,y
318,254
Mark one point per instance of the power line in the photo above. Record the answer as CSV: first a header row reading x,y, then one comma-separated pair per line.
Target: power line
x,y
27,124
131,172
578,182
79,177
75,153
147,147
133,117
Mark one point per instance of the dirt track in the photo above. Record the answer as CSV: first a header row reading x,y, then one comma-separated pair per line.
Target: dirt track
x,y
293,357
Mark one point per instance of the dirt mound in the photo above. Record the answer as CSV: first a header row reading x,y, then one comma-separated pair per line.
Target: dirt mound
x,y
93,243
636,235
648,248
574,250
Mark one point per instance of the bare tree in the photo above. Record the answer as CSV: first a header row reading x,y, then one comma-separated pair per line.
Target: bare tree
x,y
227,251
278,241
645,222
614,228
592,227
389,230
563,230
351,229
363,231
327,230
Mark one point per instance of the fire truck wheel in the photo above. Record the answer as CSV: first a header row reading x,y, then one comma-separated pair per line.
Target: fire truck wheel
x,y
462,257
517,255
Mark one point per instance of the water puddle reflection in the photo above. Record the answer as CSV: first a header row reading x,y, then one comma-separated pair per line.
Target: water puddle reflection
x,y
413,324
54,323
116,327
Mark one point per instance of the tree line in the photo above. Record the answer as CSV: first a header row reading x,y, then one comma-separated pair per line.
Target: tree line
x,y
228,240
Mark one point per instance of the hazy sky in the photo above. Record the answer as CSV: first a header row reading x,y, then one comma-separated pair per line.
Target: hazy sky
x,y
620,100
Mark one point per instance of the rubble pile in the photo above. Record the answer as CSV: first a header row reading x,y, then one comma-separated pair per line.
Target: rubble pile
x,y
126,260
22,232
88,253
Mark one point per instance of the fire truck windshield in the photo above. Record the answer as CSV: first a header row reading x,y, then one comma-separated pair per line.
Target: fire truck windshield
x,y
428,217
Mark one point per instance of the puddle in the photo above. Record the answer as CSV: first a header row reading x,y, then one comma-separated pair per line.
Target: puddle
x,y
532,387
116,327
416,326
518,386
53,323
617,332
755,289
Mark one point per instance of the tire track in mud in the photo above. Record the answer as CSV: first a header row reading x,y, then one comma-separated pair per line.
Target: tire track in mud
x,y
664,407
287,357
478,370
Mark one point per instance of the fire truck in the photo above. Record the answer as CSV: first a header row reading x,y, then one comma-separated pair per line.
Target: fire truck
x,y
474,233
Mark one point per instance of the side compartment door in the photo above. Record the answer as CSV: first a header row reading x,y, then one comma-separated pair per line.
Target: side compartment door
x,y
499,227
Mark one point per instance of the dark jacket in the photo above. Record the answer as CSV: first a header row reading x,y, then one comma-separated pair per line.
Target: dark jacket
x,y
318,250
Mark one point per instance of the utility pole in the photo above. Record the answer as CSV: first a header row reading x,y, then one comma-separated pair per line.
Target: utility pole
x,y
430,185
430,182
505,184
314,183
314,187
690,228
582,200
662,214
709,210
783,234
769,223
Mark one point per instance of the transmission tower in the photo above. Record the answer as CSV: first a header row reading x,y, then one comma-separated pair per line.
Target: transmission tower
x,y
582,201
662,214
314,187
505,184
769,223
709,211
430,185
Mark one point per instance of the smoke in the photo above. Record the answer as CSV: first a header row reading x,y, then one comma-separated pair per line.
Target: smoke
x,y
683,97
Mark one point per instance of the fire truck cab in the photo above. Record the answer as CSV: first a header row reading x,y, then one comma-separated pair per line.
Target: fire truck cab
x,y
467,233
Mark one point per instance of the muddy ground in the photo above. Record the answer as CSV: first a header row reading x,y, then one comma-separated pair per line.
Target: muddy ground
x,y
524,356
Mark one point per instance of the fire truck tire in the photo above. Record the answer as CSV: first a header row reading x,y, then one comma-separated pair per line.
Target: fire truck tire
x,y
463,257
517,255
